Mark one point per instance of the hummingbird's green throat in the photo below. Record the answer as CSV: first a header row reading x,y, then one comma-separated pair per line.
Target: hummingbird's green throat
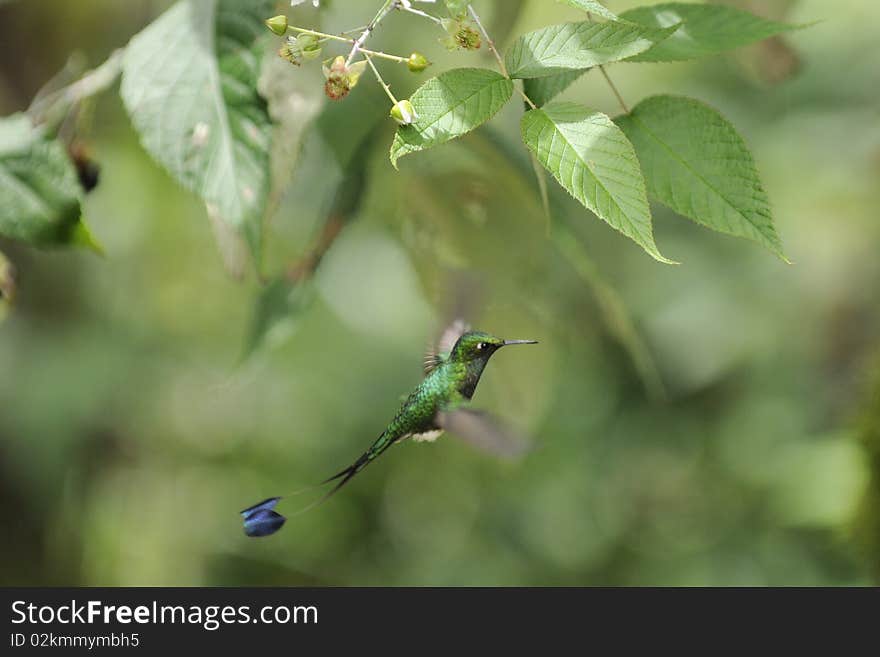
x,y
439,403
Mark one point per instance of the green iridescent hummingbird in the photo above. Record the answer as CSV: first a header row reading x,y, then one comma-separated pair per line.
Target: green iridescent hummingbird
x,y
439,403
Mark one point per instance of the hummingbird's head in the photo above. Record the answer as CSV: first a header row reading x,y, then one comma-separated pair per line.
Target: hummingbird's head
x,y
478,346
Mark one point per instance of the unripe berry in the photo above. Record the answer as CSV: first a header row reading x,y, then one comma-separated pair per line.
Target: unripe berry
x,y
417,62
277,24
403,112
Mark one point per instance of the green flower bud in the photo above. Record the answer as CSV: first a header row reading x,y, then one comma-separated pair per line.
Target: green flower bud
x,y
403,112
309,46
417,62
277,24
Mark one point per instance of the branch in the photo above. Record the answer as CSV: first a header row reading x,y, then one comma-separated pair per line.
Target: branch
x,y
379,78
386,7
334,37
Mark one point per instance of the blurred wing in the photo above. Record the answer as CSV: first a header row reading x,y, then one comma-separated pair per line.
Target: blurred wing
x,y
437,354
481,430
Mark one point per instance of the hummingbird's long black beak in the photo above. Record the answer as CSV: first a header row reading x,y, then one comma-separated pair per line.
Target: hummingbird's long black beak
x,y
507,342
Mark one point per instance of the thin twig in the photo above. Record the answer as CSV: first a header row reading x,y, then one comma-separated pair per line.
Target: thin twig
x,y
419,12
498,57
386,7
614,89
379,78
489,41
354,30
334,37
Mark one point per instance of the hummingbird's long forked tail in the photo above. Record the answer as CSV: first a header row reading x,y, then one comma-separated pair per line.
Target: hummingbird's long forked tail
x,y
262,520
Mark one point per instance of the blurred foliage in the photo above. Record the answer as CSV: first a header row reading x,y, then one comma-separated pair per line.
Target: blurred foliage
x,y
130,435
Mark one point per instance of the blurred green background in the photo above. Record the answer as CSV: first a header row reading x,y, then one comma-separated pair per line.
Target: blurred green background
x,y
131,434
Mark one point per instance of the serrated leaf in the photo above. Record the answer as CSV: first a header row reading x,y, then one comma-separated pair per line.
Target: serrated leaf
x,y
557,48
591,6
542,90
705,29
189,83
450,105
593,160
39,190
696,163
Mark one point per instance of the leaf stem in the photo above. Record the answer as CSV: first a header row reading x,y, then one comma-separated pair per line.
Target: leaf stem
x,y
334,37
614,89
498,57
608,79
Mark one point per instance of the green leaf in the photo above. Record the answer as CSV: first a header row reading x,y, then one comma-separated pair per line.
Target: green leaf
x,y
39,189
557,48
542,90
594,161
450,105
695,162
705,29
189,83
591,6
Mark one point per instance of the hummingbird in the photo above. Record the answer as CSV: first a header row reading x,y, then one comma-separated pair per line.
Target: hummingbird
x,y
439,403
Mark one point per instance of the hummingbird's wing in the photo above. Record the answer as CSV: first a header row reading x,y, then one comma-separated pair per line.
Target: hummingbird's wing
x,y
436,354
483,431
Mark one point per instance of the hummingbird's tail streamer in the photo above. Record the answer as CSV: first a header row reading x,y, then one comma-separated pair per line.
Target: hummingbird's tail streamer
x,y
262,520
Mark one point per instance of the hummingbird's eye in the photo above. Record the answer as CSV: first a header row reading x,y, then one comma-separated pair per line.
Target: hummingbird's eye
x,y
481,346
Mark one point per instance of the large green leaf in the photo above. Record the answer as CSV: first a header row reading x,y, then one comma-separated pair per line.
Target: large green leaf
x,y
542,90
591,6
450,105
593,160
39,190
557,48
705,30
695,162
189,83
